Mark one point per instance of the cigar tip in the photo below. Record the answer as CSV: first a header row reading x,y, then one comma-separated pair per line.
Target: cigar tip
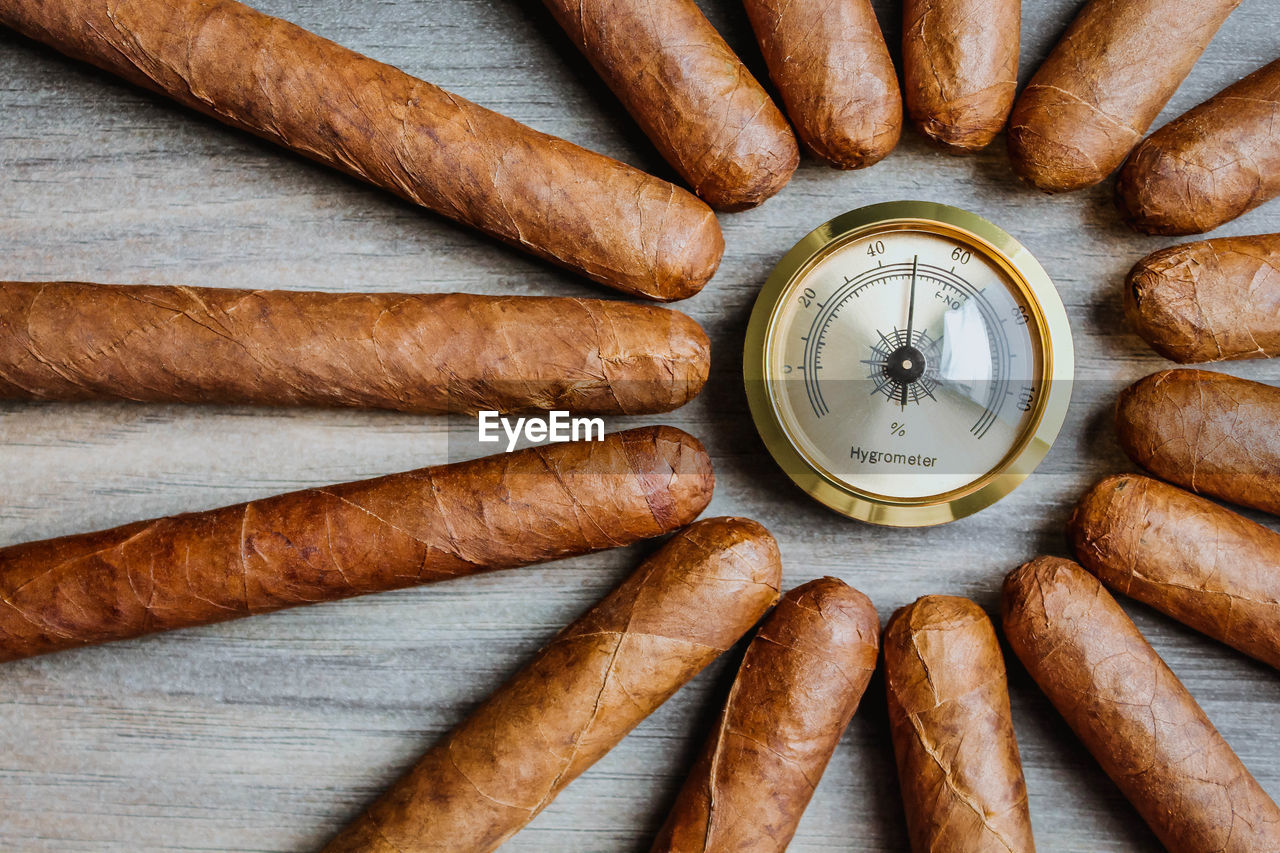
x,y
749,177
1162,304
1092,514
1047,164
1035,578
933,613
843,143
761,560
695,347
675,471
1146,198
693,263
962,128
657,359
844,614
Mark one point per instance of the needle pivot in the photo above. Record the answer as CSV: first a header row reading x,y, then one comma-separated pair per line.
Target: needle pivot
x,y
905,365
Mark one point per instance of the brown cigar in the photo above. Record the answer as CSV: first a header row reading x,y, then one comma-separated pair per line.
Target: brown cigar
x,y
1132,713
579,696
411,353
560,202
1208,432
1115,68
833,70
958,762
1215,163
960,68
1200,563
689,92
799,685
1209,301
322,544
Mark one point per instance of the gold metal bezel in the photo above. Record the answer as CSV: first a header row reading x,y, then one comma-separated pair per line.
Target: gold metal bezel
x,y
1049,318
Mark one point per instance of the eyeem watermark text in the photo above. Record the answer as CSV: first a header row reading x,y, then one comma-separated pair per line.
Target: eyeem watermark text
x,y
536,429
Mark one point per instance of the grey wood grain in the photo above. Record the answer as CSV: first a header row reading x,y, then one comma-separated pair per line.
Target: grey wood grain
x,y
268,734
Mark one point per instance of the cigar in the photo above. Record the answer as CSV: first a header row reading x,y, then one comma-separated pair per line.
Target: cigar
x,y
799,685
952,728
1135,716
1187,557
1106,80
322,544
1211,300
833,70
410,353
567,205
579,696
1211,433
1208,166
689,93
960,68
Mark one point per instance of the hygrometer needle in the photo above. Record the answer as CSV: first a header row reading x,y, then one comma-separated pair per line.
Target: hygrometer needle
x,y
911,317
911,300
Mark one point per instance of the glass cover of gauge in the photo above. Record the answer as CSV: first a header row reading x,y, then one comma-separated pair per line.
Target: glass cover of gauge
x,y
908,363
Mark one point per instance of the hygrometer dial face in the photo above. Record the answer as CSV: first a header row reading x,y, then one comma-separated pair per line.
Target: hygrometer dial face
x,y
905,362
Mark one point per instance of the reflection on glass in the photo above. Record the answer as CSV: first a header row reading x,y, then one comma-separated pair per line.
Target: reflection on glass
x,y
966,352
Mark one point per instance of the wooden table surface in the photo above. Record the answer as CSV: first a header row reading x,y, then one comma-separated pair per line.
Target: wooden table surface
x,y
268,734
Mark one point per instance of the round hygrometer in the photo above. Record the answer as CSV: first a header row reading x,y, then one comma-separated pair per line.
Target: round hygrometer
x,y
908,363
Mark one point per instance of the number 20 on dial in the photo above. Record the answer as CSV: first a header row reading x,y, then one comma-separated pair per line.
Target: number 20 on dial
x,y
908,363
